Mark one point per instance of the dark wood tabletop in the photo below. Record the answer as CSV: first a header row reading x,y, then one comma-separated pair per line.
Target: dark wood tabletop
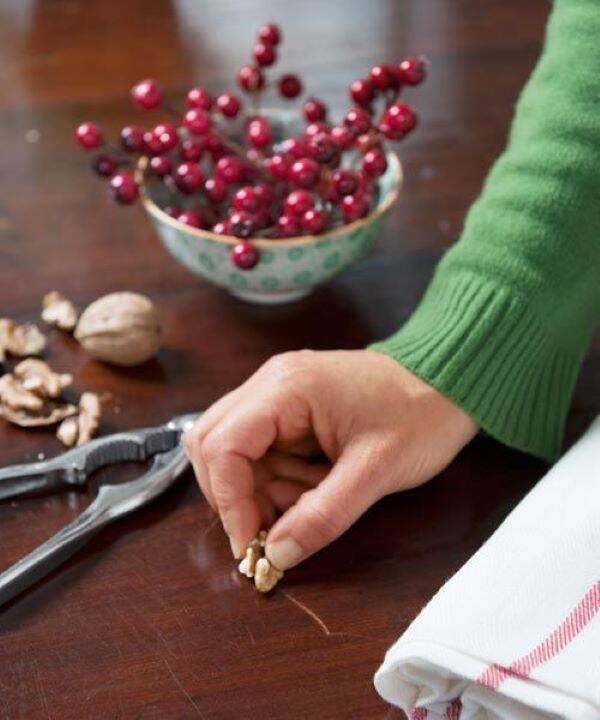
x,y
152,620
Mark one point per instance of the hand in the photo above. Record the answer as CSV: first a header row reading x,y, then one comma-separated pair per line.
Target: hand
x,y
379,427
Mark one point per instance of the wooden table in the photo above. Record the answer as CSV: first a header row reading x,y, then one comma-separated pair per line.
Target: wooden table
x,y
152,620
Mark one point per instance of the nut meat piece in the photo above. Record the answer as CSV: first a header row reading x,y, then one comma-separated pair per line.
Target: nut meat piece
x,y
266,576
39,378
248,564
81,429
50,414
256,565
14,396
68,431
20,340
59,311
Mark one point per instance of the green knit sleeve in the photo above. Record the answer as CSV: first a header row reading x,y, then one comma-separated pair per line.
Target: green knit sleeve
x,y
508,317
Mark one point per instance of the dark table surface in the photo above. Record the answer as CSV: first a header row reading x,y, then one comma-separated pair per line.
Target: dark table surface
x,y
152,620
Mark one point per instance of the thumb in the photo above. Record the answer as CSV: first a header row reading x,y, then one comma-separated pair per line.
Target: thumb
x,y
323,514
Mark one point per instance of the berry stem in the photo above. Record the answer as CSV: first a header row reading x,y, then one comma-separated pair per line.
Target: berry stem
x,y
120,156
238,150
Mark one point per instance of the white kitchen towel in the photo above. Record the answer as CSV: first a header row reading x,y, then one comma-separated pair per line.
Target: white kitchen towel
x,y
516,632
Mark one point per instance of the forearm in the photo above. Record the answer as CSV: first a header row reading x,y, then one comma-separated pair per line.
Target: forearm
x,y
508,317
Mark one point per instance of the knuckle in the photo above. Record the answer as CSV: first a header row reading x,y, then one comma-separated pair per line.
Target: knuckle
x,y
290,364
212,447
323,522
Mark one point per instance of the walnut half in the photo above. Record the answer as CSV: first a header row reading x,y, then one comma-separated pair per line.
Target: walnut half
x,y
59,311
83,427
20,340
255,565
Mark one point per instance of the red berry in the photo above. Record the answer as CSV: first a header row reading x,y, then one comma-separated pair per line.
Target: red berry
x,y
357,120
191,150
215,190
384,77
362,91
314,110
220,228
193,218
305,173
264,194
188,177
197,121
89,136
264,54
278,166
147,94
374,163
167,136
173,211
215,146
289,86
245,255
199,97
294,147
161,165
152,143
342,137
287,226
354,207
315,128
241,224
269,33
398,121
298,202
322,148
344,182
230,169
245,199
314,221
259,133
367,141
250,78
104,165
132,138
228,104
412,70
124,188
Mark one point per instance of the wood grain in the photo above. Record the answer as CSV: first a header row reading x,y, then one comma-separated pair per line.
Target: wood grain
x,y
151,620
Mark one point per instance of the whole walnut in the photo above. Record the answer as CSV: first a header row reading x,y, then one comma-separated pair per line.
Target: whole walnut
x,y
122,328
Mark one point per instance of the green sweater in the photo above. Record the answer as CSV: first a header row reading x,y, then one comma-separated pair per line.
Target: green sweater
x,y
507,319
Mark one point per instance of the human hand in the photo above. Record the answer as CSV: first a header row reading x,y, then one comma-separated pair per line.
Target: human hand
x,y
380,429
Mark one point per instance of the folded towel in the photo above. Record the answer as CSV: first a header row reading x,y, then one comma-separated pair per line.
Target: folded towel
x,y
516,632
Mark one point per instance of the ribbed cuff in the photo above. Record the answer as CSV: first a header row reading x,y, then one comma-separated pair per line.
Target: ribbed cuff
x,y
485,349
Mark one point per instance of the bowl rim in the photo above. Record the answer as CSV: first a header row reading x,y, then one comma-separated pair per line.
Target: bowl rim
x,y
153,209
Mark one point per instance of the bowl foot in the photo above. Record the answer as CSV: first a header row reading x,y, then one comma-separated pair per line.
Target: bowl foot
x,y
263,297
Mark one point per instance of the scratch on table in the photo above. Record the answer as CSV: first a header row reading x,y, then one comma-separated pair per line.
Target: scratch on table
x,y
211,526
183,690
41,689
313,615
252,638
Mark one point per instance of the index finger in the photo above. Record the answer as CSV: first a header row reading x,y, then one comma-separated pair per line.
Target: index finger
x,y
243,436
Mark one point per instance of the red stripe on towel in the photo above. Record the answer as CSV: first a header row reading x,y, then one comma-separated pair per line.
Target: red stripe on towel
x,y
453,710
418,713
555,643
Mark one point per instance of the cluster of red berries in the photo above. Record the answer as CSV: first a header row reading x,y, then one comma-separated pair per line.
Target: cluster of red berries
x,y
241,179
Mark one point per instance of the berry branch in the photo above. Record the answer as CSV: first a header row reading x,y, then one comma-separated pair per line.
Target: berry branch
x,y
261,184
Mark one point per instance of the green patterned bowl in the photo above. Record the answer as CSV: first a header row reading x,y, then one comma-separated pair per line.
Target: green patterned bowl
x,y
289,268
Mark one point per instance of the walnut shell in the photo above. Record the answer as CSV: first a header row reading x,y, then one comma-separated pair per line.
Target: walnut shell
x,y
122,328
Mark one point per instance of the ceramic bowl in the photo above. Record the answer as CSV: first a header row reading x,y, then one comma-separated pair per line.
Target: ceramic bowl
x,y
289,268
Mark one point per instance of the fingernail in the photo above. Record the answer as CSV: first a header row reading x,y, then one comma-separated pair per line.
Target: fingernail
x,y
237,550
284,553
